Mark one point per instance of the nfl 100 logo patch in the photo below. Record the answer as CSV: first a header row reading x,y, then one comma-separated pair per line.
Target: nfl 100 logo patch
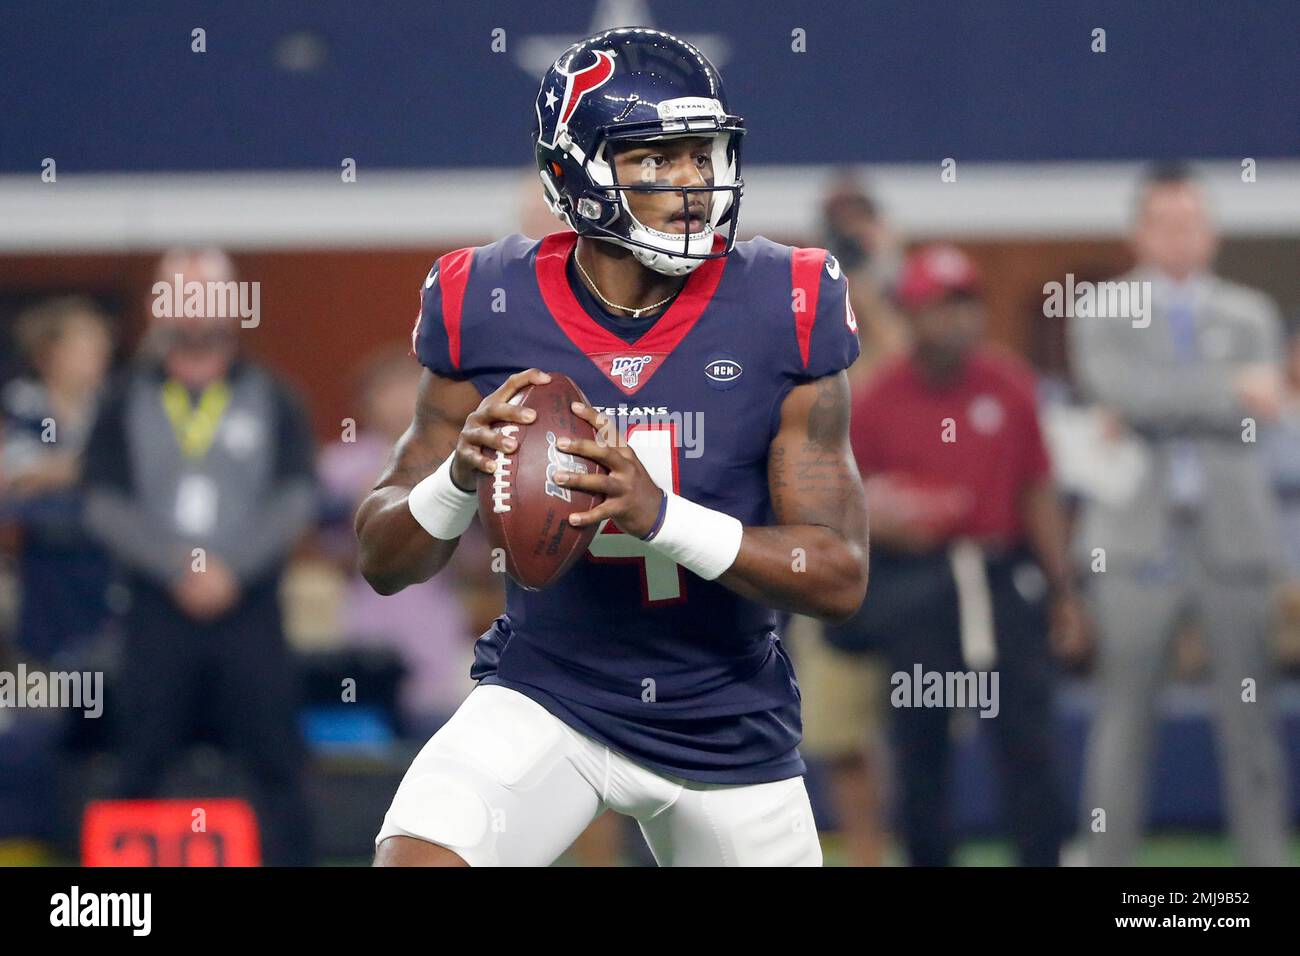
x,y
628,368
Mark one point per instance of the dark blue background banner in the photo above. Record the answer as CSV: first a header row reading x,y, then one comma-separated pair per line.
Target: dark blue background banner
x,y
115,87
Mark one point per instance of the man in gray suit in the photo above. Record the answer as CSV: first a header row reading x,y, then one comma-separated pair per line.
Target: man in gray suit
x,y
1189,375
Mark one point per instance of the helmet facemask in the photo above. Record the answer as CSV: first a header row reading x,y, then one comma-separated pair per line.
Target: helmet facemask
x,y
605,209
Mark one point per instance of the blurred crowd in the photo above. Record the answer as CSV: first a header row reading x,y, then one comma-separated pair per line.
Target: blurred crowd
x,y
1084,520
160,513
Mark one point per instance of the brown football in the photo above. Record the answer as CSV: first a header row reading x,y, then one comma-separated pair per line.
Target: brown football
x,y
525,513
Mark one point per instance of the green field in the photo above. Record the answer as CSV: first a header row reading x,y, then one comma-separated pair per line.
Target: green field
x,y
1172,849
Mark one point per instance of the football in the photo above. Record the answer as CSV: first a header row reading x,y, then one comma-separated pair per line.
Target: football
x,y
525,512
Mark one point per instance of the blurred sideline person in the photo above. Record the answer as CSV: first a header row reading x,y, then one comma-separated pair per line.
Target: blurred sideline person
x,y
871,255
969,564
67,342
438,659
199,478
1198,532
1281,445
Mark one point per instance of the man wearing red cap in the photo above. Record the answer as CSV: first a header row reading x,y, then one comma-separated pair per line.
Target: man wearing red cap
x,y
969,567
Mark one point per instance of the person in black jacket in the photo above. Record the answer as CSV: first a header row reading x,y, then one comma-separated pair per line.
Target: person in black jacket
x,y
199,480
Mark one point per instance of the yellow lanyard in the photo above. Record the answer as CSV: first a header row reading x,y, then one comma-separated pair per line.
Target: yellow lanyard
x,y
195,427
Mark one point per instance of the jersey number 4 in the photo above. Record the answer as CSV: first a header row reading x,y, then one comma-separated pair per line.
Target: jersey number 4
x,y
661,578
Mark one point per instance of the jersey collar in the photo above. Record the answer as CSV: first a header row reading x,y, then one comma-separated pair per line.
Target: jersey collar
x,y
627,365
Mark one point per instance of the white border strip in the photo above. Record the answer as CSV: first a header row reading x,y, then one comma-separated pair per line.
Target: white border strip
x,y
138,211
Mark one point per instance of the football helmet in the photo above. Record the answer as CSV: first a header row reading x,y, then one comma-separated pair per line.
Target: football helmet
x,y
636,84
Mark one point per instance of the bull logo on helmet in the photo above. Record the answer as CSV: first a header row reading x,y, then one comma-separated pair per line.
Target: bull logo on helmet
x,y
577,85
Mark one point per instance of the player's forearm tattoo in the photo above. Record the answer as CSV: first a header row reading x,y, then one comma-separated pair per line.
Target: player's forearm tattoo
x,y
809,483
408,465
828,419
420,451
777,481
821,458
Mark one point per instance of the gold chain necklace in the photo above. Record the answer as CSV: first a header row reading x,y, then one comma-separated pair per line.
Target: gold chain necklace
x,y
636,313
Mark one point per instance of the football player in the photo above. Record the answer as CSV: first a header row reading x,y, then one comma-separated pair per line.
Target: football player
x,y
650,679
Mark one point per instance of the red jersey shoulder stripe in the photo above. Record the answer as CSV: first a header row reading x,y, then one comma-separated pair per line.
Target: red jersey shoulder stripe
x,y
806,278
453,276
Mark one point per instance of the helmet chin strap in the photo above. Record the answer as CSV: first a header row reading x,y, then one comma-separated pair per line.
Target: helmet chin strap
x,y
665,264
664,260
660,260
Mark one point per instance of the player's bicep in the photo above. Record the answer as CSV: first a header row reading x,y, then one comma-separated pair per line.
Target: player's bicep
x,y
812,477
441,407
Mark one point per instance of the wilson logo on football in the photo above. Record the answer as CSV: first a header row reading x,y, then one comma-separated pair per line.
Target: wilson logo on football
x,y
723,370
555,460
628,368
501,477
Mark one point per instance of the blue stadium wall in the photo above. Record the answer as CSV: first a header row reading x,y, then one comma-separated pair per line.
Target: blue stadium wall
x,y
115,87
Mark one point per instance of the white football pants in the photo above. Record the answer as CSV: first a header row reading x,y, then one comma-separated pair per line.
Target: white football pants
x,y
506,783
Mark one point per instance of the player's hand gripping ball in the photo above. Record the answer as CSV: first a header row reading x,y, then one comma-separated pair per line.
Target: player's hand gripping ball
x,y
524,509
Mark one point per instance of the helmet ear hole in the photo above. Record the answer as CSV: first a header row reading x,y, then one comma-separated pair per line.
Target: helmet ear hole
x,y
556,170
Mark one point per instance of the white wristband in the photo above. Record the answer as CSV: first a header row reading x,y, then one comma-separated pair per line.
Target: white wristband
x,y
698,538
441,508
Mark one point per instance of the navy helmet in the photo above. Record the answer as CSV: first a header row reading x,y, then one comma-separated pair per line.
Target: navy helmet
x,y
635,83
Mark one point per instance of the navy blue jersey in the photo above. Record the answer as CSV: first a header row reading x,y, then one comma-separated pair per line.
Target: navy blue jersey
x,y
678,673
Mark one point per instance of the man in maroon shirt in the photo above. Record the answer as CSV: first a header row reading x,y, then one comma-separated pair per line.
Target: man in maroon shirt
x,y
969,568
